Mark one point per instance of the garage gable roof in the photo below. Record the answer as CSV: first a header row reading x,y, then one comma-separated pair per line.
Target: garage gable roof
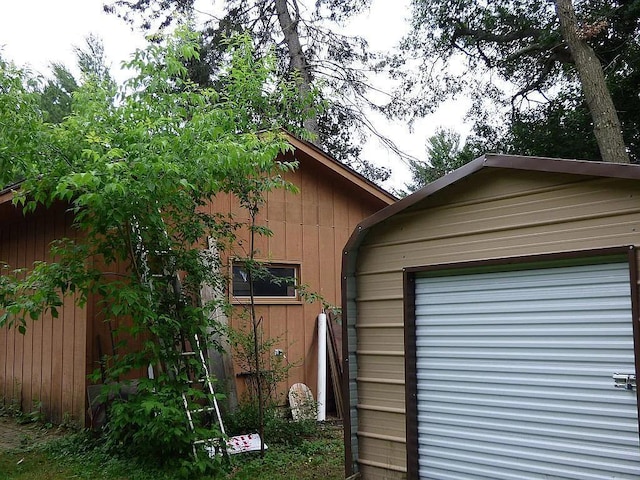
x,y
515,162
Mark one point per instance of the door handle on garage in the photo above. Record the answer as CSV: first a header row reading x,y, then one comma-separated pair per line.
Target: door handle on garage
x,y
625,380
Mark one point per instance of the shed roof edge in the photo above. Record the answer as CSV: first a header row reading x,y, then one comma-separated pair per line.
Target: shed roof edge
x,y
340,168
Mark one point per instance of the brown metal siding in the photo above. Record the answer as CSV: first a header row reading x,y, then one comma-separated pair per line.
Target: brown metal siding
x,y
492,214
46,365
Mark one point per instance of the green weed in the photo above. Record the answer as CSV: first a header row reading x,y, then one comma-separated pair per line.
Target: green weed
x,y
311,459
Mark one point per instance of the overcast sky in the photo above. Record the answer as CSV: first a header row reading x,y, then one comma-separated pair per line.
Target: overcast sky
x,y
38,32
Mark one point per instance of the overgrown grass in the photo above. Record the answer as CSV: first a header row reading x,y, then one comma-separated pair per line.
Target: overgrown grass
x,y
77,456
320,457
277,428
80,456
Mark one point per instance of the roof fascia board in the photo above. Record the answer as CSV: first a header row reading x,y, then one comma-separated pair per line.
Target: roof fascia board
x,y
5,196
7,193
425,192
570,166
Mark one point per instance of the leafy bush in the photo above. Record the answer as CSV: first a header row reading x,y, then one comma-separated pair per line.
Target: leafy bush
x,y
152,425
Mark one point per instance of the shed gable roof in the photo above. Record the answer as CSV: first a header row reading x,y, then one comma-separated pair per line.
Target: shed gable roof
x,y
311,153
329,163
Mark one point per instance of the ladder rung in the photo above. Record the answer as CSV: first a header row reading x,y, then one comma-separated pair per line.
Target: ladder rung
x,y
200,380
209,440
205,409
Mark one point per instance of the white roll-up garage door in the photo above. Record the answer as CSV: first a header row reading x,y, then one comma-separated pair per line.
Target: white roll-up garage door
x,y
514,374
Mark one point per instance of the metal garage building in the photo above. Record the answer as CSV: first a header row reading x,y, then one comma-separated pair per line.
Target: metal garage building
x,y
490,321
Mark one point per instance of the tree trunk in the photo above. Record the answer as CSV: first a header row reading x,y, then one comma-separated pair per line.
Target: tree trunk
x,y
606,125
298,61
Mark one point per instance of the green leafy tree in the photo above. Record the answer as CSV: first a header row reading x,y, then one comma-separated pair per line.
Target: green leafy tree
x,y
38,103
91,59
444,155
135,166
606,124
21,128
57,91
517,56
310,53
561,128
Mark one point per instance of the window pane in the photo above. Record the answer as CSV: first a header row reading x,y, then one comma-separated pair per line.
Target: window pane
x,y
268,281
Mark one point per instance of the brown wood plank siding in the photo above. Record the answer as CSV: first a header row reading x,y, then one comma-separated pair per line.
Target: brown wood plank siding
x,y
104,337
48,326
7,237
18,340
26,258
46,365
57,345
372,470
310,229
37,328
492,214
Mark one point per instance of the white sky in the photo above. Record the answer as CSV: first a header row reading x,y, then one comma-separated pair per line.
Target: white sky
x,y
38,32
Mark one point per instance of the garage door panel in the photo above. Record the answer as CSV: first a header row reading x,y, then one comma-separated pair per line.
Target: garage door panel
x,y
556,426
478,458
580,316
514,374
553,297
547,395
580,379
542,448
475,474
542,286
475,306
529,330
595,276
498,400
620,358
532,342
448,366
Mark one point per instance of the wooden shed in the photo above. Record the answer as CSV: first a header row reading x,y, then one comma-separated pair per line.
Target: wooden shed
x,y
49,365
490,326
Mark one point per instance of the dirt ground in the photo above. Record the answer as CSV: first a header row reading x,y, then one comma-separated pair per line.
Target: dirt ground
x,y
14,436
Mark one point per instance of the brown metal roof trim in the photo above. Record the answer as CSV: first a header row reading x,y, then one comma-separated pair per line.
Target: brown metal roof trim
x,y
559,165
